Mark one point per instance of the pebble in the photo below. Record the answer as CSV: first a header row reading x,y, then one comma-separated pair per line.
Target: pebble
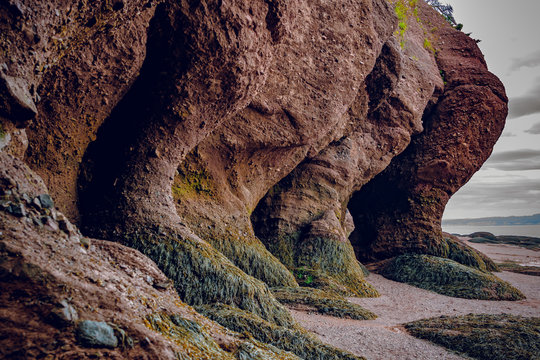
x,y
37,221
36,202
46,201
96,334
64,314
17,210
85,242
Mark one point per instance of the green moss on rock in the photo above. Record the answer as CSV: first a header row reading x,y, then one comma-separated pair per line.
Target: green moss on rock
x,y
483,337
323,302
197,343
468,256
448,277
188,334
317,279
249,254
296,340
453,249
203,275
337,260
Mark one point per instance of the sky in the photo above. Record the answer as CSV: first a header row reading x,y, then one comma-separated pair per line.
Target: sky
x,y
509,182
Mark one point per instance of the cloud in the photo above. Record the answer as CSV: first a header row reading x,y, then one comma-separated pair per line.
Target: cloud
x,y
513,155
531,60
479,199
508,134
525,105
535,129
515,160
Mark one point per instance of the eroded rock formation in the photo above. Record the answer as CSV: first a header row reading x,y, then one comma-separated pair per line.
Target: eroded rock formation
x,y
400,210
235,143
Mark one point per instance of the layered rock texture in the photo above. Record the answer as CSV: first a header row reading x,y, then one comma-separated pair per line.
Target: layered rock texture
x,y
235,146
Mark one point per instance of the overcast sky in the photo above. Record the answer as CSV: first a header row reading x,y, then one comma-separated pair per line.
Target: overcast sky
x,y
509,182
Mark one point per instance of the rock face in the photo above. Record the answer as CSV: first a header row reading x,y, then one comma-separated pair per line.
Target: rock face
x,y
400,210
236,144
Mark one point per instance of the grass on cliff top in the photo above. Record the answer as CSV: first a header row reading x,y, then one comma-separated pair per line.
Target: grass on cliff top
x,y
197,344
323,302
483,337
203,275
296,340
448,277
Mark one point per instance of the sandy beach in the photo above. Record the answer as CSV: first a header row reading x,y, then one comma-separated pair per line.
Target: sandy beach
x,y
386,338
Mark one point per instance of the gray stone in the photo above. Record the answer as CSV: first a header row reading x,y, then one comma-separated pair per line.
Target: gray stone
x,y
64,314
17,210
26,198
46,201
5,204
15,100
96,334
162,285
37,221
36,202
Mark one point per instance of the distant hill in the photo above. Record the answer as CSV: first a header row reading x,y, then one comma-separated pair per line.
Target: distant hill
x,y
508,220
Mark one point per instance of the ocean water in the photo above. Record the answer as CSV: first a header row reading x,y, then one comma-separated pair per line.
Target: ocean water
x,y
522,230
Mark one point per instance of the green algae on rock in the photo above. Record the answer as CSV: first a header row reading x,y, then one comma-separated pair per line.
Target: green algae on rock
x,y
448,277
240,245
203,275
323,302
296,339
337,260
197,343
451,248
317,279
482,336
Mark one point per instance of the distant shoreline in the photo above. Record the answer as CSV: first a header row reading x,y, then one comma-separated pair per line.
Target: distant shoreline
x,y
495,221
498,230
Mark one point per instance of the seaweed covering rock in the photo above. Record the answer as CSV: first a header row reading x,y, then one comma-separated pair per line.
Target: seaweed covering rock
x,y
483,337
323,302
295,340
448,277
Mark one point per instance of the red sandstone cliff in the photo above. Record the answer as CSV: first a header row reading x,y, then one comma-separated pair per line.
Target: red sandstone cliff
x,y
231,142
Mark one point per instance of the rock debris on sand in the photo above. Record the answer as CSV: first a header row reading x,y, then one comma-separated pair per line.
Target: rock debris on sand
x,y
385,338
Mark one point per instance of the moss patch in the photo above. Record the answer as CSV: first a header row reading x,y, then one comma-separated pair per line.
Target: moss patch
x,y
453,249
317,279
249,254
448,277
197,343
323,302
489,337
403,10
296,340
466,255
192,182
203,275
337,260
188,334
